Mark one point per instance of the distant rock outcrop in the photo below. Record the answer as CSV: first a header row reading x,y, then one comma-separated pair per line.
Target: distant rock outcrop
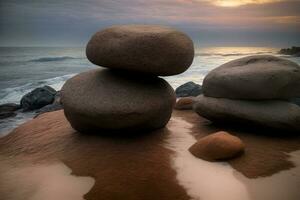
x,y
294,51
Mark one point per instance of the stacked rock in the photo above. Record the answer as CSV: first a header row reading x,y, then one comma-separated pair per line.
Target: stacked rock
x,y
253,90
128,95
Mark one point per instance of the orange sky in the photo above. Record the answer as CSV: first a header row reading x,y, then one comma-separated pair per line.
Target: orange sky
x,y
235,3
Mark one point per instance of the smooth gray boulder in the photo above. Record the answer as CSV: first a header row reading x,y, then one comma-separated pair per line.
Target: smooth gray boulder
x,y
270,113
254,77
150,49
112,100
38,98
188,89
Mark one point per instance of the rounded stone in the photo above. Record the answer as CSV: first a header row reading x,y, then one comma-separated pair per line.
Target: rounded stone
x,y
217,146
189,89
185,103
274,114
113,100
254,77
151,49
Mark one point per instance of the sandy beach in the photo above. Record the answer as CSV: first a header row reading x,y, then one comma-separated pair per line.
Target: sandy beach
x,y
152,165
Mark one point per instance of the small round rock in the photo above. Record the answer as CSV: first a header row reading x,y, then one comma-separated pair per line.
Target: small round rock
x,y
217,146
150,49
185,103
104,99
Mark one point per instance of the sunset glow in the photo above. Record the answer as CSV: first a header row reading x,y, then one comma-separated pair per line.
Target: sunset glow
x,y
210,21
235,3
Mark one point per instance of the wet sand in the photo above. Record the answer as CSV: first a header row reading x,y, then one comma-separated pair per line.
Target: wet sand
x,y
42,182
152,165
266,150
136,167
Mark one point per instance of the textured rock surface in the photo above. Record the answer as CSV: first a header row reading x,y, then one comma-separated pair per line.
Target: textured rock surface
x,y
217,146
185,103
188,89
38,98
9,107
105,99
156,50
49,108
271,113
254,77
8,110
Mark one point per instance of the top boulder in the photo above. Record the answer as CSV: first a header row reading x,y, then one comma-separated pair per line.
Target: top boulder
x,y
151,49
254,77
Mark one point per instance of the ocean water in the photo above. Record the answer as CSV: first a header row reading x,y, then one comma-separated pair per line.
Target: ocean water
x,y
25,68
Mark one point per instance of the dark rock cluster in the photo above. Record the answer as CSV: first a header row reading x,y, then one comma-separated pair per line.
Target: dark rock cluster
x,y
39,100
294,51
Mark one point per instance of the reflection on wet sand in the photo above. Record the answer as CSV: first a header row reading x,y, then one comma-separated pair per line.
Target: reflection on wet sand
x,y
42,182
218,180
282,185
150,166
202,179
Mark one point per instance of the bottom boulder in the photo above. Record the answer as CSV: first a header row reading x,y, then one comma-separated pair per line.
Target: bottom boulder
x,y
270,113
217,146
117,100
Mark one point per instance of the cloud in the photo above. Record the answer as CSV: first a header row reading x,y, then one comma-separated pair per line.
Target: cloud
x,y
74,21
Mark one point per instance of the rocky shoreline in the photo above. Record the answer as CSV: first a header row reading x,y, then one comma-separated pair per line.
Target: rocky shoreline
x,y
293,51
40,100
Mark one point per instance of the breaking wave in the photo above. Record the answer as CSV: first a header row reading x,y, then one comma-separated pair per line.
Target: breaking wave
x,y
52,59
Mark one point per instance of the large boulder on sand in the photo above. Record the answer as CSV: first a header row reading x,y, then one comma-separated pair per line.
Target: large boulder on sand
x,y
217,146
38,98
270,113
150,49
254,77
113,100
188,89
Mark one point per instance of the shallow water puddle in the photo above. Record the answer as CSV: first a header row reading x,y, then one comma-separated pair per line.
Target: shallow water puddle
x,y
218,180
46,182
202,180
283,185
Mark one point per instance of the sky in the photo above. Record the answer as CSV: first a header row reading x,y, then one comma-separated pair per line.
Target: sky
x,y
273,23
